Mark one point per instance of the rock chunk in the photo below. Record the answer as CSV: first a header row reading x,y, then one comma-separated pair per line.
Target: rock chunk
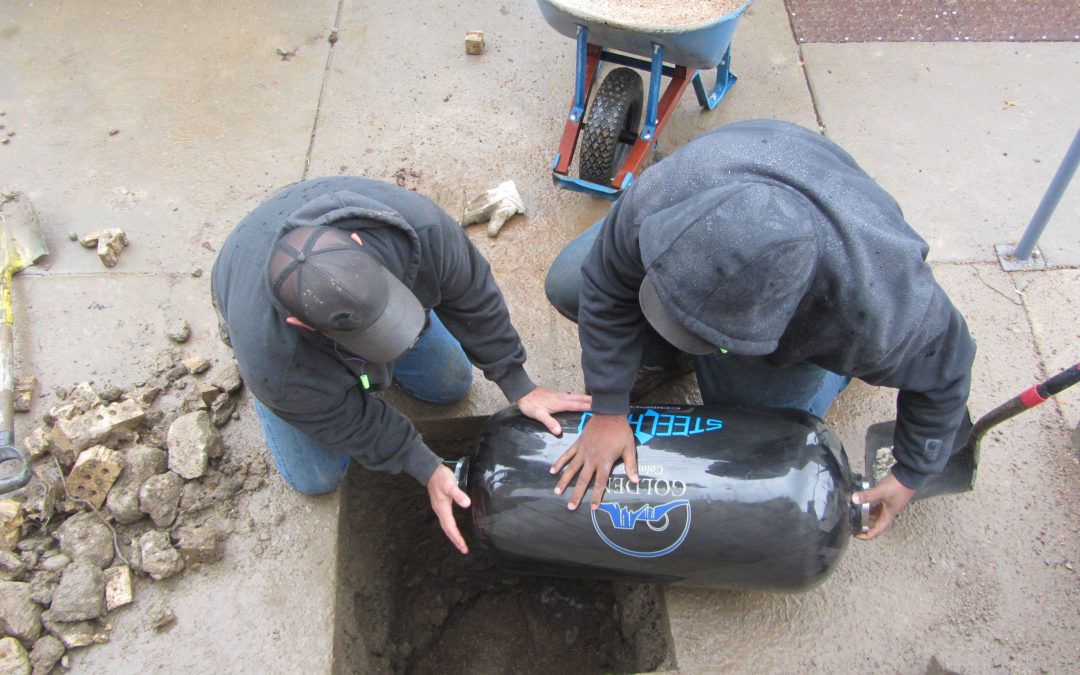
x,y
77,634
140,462
159,559
13,657
119,590
46,653
84,537
159,498
74,435
24,393
160,616
20,616
11,520
199,543
192,440
81,594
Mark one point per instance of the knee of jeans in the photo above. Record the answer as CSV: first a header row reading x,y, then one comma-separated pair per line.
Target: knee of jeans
x,y
456,385
561,295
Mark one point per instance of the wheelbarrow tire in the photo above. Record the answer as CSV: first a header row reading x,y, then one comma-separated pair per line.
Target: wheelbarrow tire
x,y
613,120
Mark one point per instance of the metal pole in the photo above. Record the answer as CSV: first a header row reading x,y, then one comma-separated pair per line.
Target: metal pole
x,y
1049,201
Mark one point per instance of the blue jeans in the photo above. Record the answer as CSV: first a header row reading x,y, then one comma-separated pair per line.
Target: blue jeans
x,y
723,378
435,370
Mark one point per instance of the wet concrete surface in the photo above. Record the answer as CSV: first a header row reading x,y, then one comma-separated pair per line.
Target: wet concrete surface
x,y
214,107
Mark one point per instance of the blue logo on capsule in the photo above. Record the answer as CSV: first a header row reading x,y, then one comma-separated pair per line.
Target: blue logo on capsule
x,y
651,541
651,424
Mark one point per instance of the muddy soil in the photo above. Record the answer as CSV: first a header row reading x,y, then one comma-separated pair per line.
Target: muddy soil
x,y
409,603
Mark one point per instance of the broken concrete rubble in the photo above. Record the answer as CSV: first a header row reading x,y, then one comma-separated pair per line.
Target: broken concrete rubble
x,y
81,594
108,242
93,427
24,393
46,653
229,379
160,616
20,616
159,498
11,565
36,444
222,410
140,463
196,365
84,537
13,657
43,495
76,634
95,471
192,441
119,590
179,332
101,476
11,520
199,543
159,559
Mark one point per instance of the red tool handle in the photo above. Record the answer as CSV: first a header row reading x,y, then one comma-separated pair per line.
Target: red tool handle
x,y
1029,398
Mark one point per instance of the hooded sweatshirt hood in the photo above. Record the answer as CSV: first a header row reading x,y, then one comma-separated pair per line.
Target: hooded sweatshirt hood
x,y
732,266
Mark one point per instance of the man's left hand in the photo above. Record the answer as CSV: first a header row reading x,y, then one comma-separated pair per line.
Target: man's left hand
x,y
891,496
539,404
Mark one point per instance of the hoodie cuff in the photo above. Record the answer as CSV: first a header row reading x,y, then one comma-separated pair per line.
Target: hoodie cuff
x,y
611,403
420,462
515,384
909,478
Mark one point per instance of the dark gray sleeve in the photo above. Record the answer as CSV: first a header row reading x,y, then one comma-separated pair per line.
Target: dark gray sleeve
x,y
342,416
474,311
610,322
934,382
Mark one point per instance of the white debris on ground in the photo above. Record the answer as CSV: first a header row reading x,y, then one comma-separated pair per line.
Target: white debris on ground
x,y
108,242
128,488
474,42
494,206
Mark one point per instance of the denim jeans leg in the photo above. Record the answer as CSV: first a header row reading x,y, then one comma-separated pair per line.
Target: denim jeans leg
x,y
436,369
563,283
564,276
307,467
730,379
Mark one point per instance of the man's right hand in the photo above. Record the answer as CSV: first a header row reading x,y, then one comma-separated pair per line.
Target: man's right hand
x,y
603,441
444,492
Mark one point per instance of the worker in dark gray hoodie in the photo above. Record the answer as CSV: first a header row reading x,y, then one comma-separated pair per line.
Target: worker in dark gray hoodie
x,y
766,254
333,288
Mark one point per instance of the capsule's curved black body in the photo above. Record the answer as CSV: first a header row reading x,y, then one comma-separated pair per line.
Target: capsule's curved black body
x,y
735,498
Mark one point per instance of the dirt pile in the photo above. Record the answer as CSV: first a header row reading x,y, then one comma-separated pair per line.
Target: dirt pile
x,y
412,604
653,13
129,486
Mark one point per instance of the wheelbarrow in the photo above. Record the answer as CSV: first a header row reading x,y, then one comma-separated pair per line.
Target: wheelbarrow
x,y
614,140
958,476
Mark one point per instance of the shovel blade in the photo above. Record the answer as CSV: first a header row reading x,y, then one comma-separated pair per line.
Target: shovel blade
x,y
957,477
20,233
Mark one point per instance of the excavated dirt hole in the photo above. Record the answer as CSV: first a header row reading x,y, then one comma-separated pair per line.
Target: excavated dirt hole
x,y
408,602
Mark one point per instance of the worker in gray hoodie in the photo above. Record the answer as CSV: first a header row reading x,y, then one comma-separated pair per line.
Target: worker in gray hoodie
x,y
763,254
334,287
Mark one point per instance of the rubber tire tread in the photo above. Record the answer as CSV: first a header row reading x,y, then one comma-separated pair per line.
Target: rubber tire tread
x,y
617,106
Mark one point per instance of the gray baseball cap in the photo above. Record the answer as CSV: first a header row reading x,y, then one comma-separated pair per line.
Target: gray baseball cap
x,y
329,282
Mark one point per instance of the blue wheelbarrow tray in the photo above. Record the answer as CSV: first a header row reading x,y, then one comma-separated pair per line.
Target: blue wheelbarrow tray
x,y
694,46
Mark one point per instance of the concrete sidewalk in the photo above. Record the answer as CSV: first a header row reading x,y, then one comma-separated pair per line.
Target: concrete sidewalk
x,y
172,121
